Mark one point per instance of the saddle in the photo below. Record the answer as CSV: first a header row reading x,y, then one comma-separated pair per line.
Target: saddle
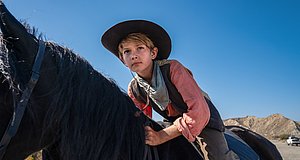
x,y
258,146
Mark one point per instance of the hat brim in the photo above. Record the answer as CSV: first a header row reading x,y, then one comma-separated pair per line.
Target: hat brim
x,y
161,39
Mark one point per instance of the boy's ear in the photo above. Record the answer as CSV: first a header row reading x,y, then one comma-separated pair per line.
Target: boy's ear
x,y
154,52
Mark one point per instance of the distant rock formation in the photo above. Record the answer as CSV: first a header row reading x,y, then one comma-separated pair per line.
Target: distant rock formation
x,y
270,127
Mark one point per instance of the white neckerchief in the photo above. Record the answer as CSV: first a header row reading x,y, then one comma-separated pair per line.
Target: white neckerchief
x,y
157,90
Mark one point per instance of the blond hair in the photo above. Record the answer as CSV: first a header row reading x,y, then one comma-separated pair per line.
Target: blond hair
x,y
135,37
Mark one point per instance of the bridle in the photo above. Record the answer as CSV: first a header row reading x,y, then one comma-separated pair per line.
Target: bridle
x,y
20,107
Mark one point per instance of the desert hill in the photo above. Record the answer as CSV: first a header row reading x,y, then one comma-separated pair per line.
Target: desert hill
x,y
271,127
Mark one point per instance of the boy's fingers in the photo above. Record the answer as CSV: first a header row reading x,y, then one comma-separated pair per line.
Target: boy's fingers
x,y
148,128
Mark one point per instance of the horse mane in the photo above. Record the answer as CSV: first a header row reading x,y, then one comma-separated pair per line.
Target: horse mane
x,y
7,70
91,110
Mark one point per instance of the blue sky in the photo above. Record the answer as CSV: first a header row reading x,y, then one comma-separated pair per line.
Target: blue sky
x,y
244,54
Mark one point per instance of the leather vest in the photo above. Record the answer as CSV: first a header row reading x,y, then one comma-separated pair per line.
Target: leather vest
x,y
215,121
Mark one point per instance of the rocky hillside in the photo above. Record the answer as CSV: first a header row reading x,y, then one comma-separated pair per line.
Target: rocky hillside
x,y
273,126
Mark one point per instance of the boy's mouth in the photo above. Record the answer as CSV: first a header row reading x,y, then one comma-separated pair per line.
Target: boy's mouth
x,y
136,63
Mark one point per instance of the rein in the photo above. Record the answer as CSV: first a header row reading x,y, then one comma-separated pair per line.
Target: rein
x,y
147,152
19,109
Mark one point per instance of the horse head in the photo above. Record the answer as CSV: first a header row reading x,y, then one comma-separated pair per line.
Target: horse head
x,y
18,51
22,44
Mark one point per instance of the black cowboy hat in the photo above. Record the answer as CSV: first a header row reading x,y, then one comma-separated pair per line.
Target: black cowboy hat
x,y
113,36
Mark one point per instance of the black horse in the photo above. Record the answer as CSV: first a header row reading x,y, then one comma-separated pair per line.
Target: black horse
x,y
74,112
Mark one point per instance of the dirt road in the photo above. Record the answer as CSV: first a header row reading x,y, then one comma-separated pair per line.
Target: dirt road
x,y
287,152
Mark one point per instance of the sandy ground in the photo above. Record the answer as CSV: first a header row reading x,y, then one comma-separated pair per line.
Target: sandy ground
x,y
287,152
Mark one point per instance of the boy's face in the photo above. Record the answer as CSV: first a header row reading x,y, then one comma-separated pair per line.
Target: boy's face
x,y
138,57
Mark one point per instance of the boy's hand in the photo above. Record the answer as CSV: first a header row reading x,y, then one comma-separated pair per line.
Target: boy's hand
x,y
154,138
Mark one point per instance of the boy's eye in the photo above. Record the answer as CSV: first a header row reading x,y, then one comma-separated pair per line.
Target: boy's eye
x,y
140,48
126,52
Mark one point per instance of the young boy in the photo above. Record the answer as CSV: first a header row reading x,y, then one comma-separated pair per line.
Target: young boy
x,y
165,86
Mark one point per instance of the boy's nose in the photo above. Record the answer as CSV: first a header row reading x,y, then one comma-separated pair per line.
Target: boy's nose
x,y
133,56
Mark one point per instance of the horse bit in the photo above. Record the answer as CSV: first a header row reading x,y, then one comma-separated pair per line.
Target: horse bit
x,y
19,109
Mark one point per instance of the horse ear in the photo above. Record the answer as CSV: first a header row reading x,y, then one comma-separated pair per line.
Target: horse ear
x,y
17,36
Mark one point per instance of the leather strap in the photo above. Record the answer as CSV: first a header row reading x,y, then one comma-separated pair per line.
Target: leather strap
x,y
19,109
